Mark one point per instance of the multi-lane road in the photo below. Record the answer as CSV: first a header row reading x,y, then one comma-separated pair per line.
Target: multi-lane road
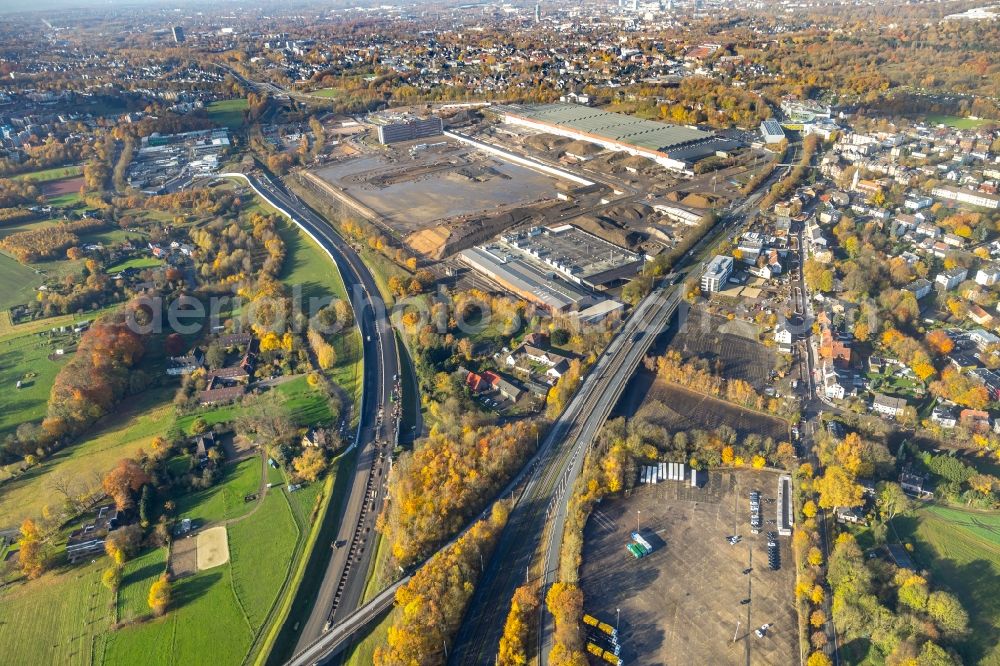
x,y
342,587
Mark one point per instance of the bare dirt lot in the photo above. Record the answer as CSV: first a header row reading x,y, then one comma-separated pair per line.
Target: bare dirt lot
x,y
56,188
681,409
731,347
681,604
440,182
184,556
213,548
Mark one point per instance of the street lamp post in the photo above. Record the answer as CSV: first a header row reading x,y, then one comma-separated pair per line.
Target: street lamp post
x,y
618,615
637,512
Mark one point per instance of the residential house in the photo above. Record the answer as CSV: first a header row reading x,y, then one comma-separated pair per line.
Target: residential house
x,y
202,444
846,514
944,417
979,315
89,539
990,381
506,387
185,365
888,405
833,349
235,340
317,437
920,288
218,394
950,279
988,275
974,419
783,335
913,482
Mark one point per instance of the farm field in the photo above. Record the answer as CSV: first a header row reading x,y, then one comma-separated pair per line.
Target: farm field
x,y
961,549
730,347
63,616
681,603
133,426
26,359
228,113
676,408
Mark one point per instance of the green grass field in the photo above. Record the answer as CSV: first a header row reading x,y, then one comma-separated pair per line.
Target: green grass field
x,y
326,92
309,270
224,500
228,112
133,426
137,262
962,551
958,122
260,563
62,616
137,576
19,282
47,175
26,359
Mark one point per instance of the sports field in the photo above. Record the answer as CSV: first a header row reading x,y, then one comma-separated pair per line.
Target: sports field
x,y
228,112
958,122
55,173
962,551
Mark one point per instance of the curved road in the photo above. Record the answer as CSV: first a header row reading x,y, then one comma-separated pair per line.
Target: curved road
x,y
344,580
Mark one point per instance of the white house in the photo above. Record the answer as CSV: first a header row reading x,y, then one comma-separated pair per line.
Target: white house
x,y
988,275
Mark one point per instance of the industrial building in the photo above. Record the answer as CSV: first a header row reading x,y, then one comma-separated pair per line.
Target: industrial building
x,y
672,146
717,274
772,132
579,256
511,272
409,130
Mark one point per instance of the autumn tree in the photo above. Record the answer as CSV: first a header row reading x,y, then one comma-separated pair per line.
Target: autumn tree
x,y
891,501
837,488
939,342
513,650
310,464
565,602
123,481
159,595
30,555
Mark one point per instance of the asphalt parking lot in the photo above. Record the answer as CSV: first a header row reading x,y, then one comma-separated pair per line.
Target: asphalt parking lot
x,y
682,603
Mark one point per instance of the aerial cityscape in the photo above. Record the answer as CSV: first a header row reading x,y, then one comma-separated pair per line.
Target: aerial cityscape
x,y
500,333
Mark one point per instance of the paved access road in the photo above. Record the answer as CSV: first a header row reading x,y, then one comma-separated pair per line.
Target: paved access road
x,y
343,583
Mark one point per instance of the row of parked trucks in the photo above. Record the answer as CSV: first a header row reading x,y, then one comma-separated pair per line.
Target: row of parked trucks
x,y
602,640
